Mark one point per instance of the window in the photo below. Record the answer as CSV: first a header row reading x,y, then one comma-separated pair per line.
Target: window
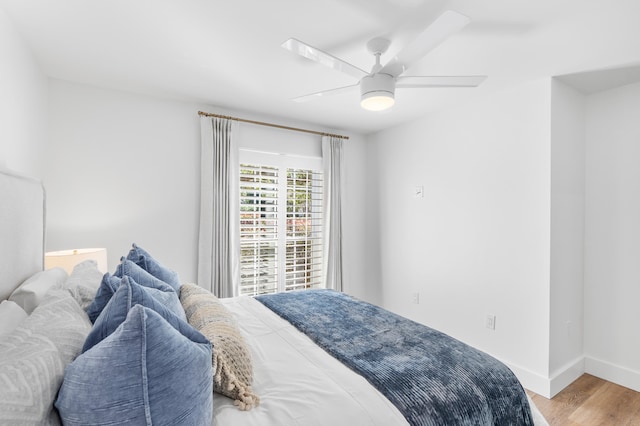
x,y
280,223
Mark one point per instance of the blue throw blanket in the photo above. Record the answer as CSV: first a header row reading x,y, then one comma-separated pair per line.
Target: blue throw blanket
x,y
432,378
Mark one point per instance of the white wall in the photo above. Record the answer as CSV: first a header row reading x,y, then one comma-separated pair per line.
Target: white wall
x,y
567,235
478,243
120,169
612,248
23,106
125,168
530,213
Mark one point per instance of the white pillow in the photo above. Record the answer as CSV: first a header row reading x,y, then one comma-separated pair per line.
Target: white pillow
x,y
11,315
84,281
34,357
31,292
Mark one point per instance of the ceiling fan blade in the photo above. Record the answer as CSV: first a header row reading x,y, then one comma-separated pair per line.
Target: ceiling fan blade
x,y
440,81
444,26
310,52
325,93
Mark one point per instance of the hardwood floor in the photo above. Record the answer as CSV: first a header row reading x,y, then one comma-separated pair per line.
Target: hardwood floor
x,y
590,401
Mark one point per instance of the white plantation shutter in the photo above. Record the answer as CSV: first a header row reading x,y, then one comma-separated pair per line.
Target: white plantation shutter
x,y
304,229
258,229
280,223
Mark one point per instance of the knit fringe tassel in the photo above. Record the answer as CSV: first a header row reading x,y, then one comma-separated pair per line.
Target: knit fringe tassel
x,y
243,396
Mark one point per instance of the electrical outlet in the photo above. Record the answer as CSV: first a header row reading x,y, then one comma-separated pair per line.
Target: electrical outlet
x,y
491,322
415,298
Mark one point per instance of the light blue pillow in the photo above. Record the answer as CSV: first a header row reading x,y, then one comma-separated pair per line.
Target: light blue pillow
x,y
142,277
115,312
143,259
146,372
160,290
108,287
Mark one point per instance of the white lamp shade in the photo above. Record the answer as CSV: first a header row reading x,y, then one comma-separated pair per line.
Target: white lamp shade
x,y
68,259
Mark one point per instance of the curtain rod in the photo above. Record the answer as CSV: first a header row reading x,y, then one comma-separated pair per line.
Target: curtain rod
x,y
262,123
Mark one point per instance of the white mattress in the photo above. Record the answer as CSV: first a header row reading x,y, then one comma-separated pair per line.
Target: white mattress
x,y
299,383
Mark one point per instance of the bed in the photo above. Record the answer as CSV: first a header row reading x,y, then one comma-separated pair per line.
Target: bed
x,y
296,376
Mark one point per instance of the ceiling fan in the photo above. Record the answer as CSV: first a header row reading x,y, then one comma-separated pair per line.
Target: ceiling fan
x,y
377,88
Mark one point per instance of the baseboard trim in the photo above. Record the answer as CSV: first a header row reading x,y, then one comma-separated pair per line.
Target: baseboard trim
x,y
614,373
566,375
549,387
530,380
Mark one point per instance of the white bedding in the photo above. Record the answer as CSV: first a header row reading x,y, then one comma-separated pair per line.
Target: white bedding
x,y
299,383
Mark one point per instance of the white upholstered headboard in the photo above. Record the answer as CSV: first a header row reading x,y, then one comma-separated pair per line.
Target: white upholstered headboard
x,y
22,225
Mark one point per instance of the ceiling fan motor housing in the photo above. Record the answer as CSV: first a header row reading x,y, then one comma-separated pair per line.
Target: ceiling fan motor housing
x,y
376,87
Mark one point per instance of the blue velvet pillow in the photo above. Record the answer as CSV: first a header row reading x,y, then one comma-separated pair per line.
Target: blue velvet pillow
x,y
142,258
146,372
110,283
115,312
108,287
142,277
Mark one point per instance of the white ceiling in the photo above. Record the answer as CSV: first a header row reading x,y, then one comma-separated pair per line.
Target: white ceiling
x,y
228,54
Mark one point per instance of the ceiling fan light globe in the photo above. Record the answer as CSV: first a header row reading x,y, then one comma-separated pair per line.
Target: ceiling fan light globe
x,y
377,101
377,92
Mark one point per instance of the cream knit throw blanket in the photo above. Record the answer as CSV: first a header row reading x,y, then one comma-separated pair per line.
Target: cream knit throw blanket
x,y
232,368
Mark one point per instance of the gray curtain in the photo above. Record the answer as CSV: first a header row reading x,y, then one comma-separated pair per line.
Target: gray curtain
x,y
332,159
218,245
